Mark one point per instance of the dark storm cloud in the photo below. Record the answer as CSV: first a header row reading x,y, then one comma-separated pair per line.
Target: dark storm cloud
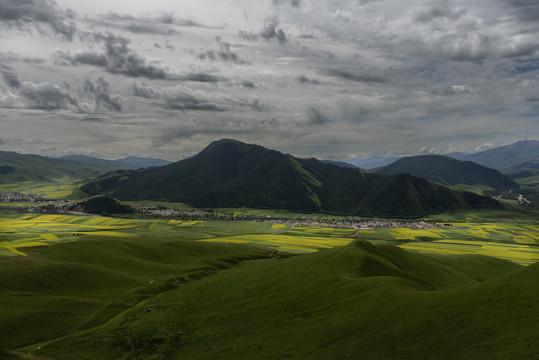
x,y
200,77
223,54
250,36
161,25
120,20
2,141
149,29
142,90
248,84
305,80
315,117
103,96
294,3
48,96
10,76
252,103
177,98
21,13
171,135
118,58
525,10
353,75
186,99
270,31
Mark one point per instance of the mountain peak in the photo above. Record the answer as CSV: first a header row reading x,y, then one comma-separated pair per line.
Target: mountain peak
x,y
229,173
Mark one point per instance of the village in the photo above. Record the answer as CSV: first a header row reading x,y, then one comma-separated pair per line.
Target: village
x,y
37,203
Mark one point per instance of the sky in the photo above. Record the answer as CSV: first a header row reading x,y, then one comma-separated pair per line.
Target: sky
x,y
333,79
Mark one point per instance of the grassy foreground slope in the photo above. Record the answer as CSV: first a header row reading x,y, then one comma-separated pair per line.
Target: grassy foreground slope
x,y
62,289
359,301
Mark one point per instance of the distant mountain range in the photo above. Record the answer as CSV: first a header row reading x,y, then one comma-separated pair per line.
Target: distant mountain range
x,y
16,167
372,162
520,155
229,173
448,171
131,162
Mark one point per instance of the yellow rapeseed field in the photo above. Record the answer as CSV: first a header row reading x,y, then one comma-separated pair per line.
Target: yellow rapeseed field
x,y
286,242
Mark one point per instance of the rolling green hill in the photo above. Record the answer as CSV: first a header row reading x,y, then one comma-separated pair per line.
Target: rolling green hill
x,y
359,301
229,173
16,167
448,171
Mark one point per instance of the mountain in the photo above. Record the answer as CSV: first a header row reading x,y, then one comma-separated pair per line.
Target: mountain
x,y
103,205
339,163
372,162
16,167
135,162
131,162
229,173
520,155
448,171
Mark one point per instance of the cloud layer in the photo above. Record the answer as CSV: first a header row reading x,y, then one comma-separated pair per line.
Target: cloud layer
x,y
332,79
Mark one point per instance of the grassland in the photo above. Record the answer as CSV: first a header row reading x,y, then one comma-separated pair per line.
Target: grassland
x,y
511,240
358,301
113,288
64,189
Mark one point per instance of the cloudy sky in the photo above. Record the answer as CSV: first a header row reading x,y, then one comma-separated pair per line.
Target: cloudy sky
x,y
334,79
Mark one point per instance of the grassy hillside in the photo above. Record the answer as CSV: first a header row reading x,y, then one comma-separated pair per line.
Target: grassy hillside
x,y
373,302
448,171
61,289
16,168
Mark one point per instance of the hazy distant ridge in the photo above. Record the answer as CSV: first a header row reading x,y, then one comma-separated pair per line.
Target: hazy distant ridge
x,y
131,162
520,155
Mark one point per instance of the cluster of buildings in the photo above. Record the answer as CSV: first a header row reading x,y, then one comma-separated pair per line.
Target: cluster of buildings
x,y
156,211
13,196
360,224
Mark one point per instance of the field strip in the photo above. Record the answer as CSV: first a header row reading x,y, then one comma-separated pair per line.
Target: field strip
x,y
522,254
14,248
105,233
47,229
286,242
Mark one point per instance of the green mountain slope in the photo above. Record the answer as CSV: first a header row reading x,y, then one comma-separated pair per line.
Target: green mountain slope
x,y
16,167
448,171
520,155
360,301
229,173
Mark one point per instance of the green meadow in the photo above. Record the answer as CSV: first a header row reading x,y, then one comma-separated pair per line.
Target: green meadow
x,y
64,189
90,287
